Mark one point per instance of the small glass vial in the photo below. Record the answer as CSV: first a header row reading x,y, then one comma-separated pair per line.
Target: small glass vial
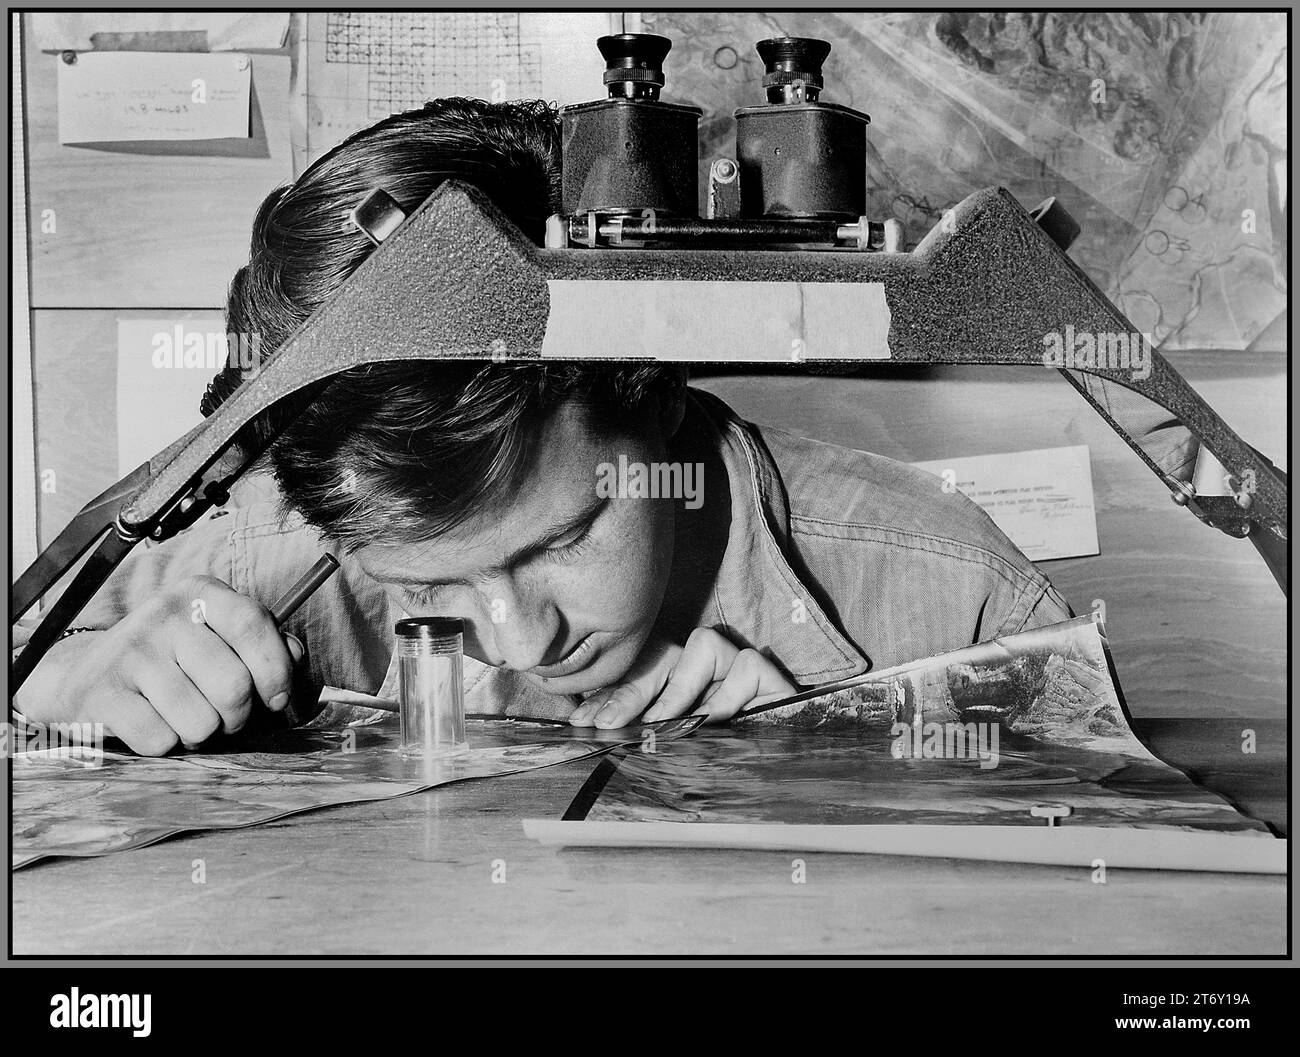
x,y
431,686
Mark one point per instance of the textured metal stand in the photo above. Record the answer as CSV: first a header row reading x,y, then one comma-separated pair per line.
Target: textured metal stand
x,y
988,285
457,280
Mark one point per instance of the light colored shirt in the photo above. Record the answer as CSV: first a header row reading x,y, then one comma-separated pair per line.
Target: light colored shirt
x,y
836,562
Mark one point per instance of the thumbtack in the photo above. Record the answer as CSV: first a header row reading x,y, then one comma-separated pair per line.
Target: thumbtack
x,y
1052,812
69,58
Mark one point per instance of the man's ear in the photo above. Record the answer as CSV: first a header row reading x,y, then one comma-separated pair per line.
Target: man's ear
x,y
672,409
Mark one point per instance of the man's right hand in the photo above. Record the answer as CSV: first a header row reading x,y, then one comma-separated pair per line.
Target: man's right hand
x,y
192,661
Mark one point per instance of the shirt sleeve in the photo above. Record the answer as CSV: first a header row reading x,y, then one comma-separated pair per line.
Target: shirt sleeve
x,y
205,549
1041,605
258,552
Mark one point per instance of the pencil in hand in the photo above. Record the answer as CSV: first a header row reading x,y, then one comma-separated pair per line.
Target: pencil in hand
x,y
291,601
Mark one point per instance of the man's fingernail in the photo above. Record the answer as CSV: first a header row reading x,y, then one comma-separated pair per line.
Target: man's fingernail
x,y
278,702
296,648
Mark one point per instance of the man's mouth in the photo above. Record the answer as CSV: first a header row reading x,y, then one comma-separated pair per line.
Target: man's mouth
x,y
571,662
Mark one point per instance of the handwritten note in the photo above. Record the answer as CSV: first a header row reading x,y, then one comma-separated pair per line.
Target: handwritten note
x,y
116,96
1042,499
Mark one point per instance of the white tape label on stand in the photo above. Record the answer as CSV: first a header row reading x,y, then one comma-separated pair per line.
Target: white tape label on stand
x,y
744,322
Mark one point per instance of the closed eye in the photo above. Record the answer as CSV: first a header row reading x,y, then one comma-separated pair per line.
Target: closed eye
x,y
422,597
571,549
560,552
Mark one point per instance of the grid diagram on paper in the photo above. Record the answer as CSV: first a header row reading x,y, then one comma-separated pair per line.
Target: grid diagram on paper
x,y
409,57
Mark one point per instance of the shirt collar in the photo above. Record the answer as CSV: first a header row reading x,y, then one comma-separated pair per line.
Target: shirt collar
x,y
759,599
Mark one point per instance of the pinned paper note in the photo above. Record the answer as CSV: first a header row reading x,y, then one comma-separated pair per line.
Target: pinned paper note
x,y
354,67
1041,499
116,96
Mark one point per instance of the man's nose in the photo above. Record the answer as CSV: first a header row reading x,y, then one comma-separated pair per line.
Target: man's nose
x,y
520,626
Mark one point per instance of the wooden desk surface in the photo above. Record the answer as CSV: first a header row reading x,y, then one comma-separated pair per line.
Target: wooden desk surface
x,y
413,876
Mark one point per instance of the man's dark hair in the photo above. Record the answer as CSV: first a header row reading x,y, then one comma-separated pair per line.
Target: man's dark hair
x,y
406,450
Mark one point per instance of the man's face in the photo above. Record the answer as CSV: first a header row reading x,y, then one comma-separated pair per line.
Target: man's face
x,y
559,583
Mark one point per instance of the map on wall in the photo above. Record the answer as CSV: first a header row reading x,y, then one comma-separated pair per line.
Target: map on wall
x,y
1163,134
